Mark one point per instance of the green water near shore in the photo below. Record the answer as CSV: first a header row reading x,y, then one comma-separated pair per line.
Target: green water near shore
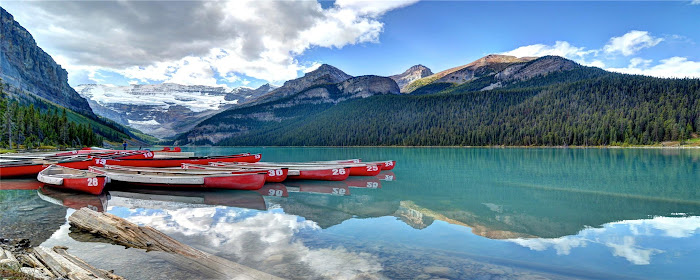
x,y
457,213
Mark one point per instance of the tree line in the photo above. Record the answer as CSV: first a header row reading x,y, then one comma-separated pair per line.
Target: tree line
x,y
26,125
583,107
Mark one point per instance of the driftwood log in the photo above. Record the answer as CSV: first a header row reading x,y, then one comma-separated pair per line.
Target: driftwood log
x,y
128,234
44,263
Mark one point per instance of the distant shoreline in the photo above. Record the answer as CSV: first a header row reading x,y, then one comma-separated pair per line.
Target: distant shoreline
x,y
485,147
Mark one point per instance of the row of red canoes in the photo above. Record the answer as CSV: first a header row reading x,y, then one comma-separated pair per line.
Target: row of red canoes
x,y
241,171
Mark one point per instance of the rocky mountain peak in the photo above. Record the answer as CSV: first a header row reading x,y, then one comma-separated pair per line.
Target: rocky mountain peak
x,y
325,71
411,74
324,74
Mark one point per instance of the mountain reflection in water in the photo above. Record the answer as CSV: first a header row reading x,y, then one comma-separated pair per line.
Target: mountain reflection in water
x,y
450,213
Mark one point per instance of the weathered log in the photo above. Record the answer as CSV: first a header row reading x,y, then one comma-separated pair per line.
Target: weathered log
x,y
44,263
128,234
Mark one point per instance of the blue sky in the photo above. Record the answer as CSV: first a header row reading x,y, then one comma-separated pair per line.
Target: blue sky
x,y
252,43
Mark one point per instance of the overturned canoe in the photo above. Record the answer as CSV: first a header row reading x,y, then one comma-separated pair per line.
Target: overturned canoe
x,y
253,181
73,179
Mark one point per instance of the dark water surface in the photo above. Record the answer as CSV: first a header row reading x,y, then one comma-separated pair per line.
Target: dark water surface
x,y
456,213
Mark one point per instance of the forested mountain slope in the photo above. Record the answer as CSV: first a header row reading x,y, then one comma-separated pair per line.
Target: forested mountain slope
x,y
581,106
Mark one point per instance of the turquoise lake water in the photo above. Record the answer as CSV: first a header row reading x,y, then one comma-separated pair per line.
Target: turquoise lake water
x,y
455,213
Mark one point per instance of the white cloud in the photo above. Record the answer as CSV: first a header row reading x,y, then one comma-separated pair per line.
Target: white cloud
x,y
674,67
632,253
631,43
625,45
695,2
560,48
158,41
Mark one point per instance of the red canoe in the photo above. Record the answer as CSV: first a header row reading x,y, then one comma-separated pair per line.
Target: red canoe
x,y
274,175
20,169
176,162
314,173
385,165
170,180
298,172
73,179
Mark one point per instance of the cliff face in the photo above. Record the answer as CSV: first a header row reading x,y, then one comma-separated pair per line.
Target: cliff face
x,y
411,74
26,66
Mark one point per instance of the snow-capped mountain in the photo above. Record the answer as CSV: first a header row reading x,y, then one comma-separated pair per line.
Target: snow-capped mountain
x,y
163,110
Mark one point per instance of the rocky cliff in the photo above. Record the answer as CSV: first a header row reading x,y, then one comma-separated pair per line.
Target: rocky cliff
x,y
26,66
411,74
164,110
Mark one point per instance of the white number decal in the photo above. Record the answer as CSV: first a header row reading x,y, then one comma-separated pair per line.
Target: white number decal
x,y
100,161
388,163
275,192
388,177
372,185
372,168
148,155
338,171
92,182
257,156
273,173
338,191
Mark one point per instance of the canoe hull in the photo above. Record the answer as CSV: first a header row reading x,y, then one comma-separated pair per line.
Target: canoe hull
x,y
21,171
367,170
385,165
229,182
92,185
331,174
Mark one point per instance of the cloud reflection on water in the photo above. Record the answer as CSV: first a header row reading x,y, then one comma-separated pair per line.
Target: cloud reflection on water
x,y
622,237
263,240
